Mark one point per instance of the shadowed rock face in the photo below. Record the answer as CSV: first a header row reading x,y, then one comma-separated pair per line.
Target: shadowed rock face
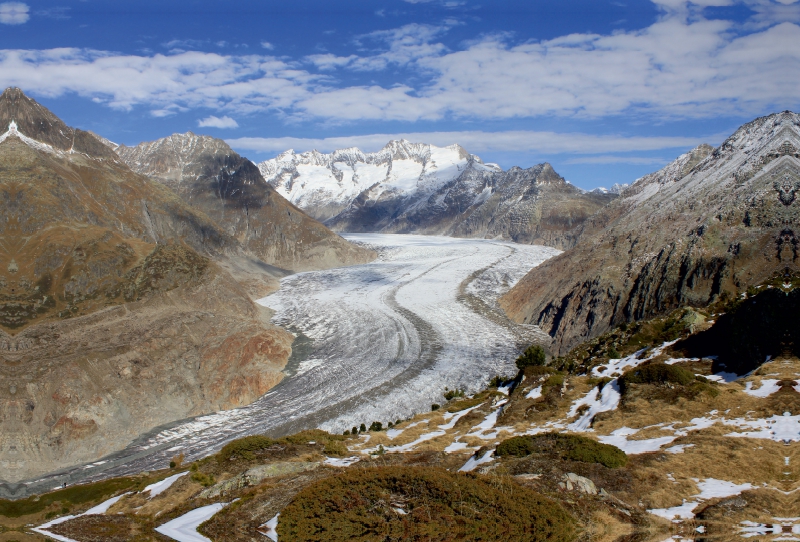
x,y
208,175
532,206
756,329
115,313
711,223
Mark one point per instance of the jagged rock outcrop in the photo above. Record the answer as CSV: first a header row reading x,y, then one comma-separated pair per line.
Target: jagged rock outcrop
x,y
116,314
418,188
208,175
710,224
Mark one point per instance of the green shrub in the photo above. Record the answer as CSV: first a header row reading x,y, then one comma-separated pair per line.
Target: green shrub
x,y
376,426
435,406
613,353
205,480
516,446
452,394
354,430
565,447
496,382
244,448
361,505
533,355
656,373
362,429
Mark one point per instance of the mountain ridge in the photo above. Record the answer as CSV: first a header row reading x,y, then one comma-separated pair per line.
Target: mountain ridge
x,y
420,188
708,224
123,306
209,175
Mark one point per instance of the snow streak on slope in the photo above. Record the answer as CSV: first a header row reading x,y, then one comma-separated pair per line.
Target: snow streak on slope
x,y
386,338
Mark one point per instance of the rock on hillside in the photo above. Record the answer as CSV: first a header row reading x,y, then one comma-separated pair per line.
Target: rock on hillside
x,y
115,315
419,188
228,188
709,224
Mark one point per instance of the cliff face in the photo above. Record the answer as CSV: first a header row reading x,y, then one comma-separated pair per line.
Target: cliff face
x,y
116,314
208,175
711,223
418,188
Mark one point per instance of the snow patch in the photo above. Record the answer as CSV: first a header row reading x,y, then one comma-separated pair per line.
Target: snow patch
x,y
341,462
474,462
184,528
160,487
768,387
270,528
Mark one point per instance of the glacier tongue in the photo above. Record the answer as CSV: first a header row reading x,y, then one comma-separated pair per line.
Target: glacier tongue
x,y
387,337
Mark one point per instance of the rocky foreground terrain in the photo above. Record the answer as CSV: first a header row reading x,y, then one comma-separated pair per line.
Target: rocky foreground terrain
x,y
419,188
637,435
706,227
123,305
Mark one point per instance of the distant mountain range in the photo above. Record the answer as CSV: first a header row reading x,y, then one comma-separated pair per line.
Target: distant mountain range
x,y
420,188
709,225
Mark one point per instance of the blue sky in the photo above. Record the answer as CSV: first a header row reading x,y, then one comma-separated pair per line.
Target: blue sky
x,y
606,91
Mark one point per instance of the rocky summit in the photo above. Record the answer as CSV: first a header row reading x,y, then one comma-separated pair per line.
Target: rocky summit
x,y
208,175
123,305
420,188
706,227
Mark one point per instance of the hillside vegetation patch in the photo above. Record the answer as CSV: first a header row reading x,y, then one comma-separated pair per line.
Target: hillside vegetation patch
x,y
415,503
671,381
564,447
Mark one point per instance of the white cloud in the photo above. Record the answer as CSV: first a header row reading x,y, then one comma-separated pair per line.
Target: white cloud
x,y
216,122
679,67
164,83
14,13
546,143
267,45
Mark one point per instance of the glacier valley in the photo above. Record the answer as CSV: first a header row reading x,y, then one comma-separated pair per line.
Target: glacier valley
x,y
378,342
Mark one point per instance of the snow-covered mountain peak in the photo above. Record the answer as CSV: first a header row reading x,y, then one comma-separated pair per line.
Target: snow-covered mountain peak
x,y
325,183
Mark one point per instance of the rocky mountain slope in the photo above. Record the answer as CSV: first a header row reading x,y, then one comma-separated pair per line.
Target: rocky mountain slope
x,y
116,312
711,224
418,188
208,175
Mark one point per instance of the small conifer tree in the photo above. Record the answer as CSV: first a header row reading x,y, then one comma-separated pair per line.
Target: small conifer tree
x,y
533,355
